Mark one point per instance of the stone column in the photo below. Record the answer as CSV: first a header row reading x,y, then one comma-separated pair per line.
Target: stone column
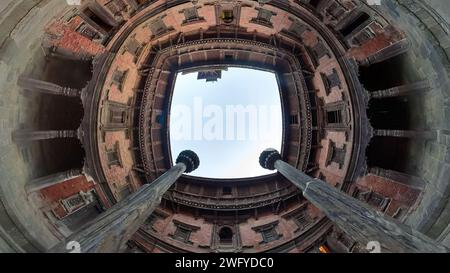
x,y
110,231
47,87
29,135
403,90
427,135
359,220
50,180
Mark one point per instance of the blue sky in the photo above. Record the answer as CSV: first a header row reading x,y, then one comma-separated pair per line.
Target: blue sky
x,y
234,155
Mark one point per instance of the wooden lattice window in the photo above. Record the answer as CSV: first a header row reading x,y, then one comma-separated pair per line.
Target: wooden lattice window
x,y
183,232
88,32
227,16
268,232
293,119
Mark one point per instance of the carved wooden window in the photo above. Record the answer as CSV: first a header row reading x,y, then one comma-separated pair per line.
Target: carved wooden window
x,y
268,232
121,4
227,16
134,48
317,52
117,117
330,81
229,57
111,6
264,17
183,232
113,156
302,220
374,199
346,241
158,27
320,50
334,117
116,7
93,17
378,201
358,22
88,32
227,191
77,201
73,202
293,120
191,15
335,154
400,213
119,77
336,10
124,191
297,28
364,36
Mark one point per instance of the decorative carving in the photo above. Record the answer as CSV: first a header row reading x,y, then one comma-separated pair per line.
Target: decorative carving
x,y
317,52
268,232
183,231
263,18
134,48
335,154
191,15
113,156
296,29
118,78
158,28
330,81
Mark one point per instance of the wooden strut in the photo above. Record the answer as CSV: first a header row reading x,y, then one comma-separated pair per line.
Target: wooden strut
x,y
110,231
359,220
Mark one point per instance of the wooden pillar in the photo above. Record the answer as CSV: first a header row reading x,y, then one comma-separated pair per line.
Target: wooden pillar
x,y
110,231
47,87
50,180
29,135
358,219
403,90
